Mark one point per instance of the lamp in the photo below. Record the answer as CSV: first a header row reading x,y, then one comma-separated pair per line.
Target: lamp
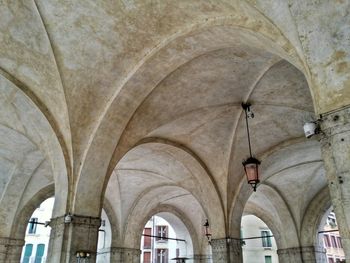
x,y
207,231
68,218
251,164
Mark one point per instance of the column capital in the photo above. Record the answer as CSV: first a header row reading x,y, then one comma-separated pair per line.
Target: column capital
x,y
8,241
135,251
201,258
296,250
77,220
79,233
10,249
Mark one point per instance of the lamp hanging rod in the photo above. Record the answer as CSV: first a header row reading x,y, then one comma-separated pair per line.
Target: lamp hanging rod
x,y
38,223
260,237
328,231
246,106
167,238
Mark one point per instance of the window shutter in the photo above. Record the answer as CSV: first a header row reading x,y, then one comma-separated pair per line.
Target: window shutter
x,y
39,253
147,257
147,239
27,253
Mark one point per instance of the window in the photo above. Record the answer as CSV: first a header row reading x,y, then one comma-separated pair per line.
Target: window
x,y
39,253
27,253
266,239
340,244
327,242
147,257
268,259
162,256
331,260
331,220
177,252
147,240
334,242
162,232
32,225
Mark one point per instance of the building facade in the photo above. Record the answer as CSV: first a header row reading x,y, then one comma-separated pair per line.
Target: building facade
x,y
158,249
37,234
332,241
259,245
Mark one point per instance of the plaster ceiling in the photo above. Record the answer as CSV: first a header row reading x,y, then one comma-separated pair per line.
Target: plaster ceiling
x,y
197,107
29,153
118,90
293,177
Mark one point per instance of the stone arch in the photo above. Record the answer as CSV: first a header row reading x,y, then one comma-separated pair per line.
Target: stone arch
x,y
14,242
22,218
311,222
188,223
268,205
117,149
287,159
29,123
175,166
189,208
113,221
204,175
268,220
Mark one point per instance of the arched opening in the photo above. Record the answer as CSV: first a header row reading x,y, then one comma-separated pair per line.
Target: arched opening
x,y
37,233
160,177
329,238
164,238
104,239
258,242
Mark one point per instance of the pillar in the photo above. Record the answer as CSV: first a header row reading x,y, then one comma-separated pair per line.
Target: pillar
x,y
309,254
67,238
226,250
122,255
335,145
10,249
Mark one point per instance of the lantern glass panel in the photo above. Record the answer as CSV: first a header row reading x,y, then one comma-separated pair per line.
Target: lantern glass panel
x,y
251,170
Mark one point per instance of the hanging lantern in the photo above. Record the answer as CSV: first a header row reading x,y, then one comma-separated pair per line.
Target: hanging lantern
x,y
207,231
251,165
251,168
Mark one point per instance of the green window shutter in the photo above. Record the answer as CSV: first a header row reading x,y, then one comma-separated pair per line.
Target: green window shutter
x,y
268,259
39,253
27,253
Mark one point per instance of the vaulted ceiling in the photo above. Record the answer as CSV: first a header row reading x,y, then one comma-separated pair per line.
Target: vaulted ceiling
x,y
139,102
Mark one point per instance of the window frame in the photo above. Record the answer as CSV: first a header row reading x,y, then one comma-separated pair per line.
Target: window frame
x,y
164,256
160,237
32,225
266,238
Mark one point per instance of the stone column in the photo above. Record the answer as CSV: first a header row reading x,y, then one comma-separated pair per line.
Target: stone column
x,y
10,249
302,255
67,238
335,145
226,250
122,255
